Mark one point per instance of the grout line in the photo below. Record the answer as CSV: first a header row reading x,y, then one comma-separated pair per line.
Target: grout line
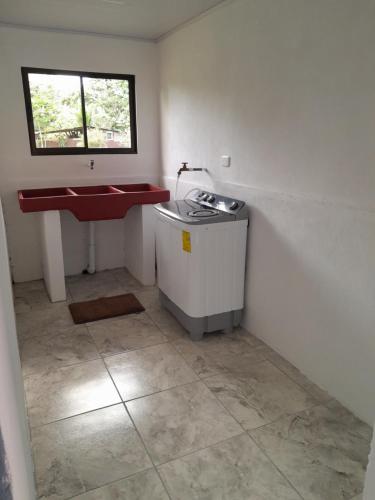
x,y
126,351
110,483
243,433
292,379
200,379
138,433
293,414
22,339
260,426
55,369
275,466
220,370
161,391
75,415
104,356
224,371
256,428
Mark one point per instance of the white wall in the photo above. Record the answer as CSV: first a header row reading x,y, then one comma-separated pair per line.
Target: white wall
x,y
287,89
13,424
18,169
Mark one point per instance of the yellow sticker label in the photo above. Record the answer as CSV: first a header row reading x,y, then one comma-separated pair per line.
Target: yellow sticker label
x,y
186,242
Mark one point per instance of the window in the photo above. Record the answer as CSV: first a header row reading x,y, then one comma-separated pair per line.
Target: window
x,y
71,112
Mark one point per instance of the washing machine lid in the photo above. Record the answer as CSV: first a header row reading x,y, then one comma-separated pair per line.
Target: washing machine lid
x,y
190,212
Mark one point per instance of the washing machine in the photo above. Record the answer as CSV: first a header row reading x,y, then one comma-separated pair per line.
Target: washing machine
x,y
201,256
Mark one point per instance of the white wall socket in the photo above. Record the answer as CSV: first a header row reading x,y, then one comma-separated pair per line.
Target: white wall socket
x,y
225,161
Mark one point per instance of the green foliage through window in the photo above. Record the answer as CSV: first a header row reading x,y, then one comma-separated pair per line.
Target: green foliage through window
x,y
70,112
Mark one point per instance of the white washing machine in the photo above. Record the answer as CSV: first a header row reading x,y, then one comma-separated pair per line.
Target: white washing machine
x,y
201,255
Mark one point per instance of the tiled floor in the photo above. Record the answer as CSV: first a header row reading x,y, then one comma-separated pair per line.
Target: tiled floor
x,y
131,409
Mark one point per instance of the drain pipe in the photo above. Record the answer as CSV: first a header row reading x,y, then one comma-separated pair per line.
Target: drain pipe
x,y
91,267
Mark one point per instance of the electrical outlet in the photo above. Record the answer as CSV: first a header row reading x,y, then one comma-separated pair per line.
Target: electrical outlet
x,y
225,161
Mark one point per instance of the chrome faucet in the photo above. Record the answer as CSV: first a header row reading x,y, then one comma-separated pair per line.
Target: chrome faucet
x,y
185,168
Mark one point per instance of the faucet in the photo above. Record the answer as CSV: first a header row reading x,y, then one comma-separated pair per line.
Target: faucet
x,y
185,168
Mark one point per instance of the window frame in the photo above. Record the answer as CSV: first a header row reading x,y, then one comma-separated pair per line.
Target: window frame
x,y
85,150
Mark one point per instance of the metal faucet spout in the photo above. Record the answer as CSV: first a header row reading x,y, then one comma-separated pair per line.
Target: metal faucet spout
x,y
185,168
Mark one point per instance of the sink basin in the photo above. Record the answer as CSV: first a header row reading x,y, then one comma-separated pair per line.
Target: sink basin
x,y
90,190
43,193
137,188
90,203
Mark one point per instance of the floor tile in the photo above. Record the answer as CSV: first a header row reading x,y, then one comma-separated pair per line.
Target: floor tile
x,y
322,456
201,362
56,394
84,452
125,334
127,281
219,353
64,348
92,286
167,323
30,294
181,420
233,470
33,295
251,339
350,420
293,372
38,322
145,371
99,455
142,486
149,297
230,352
261,396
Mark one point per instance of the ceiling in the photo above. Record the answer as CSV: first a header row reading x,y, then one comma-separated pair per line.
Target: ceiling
x,y
148,19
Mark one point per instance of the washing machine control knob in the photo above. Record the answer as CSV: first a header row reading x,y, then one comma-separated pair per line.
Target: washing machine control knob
x,y
205,197
233,205
211,198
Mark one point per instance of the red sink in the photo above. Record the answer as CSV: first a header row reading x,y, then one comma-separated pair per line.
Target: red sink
x,y
92,202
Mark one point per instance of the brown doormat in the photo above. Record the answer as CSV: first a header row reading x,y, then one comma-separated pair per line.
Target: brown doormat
x,y
106,307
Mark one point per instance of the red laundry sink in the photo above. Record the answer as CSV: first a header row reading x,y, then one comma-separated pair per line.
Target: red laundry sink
x,y
92,202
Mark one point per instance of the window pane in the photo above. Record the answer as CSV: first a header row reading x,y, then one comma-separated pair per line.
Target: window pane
x,y
107,113
57,110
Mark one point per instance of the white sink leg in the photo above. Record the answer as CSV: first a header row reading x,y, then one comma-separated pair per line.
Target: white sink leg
x,y
92,267
53,262
140,243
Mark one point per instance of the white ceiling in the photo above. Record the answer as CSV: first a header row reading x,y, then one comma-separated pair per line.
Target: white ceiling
x,y
149,19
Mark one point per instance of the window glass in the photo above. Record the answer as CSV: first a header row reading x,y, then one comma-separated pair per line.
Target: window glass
x,y
107,113
73,112
57,110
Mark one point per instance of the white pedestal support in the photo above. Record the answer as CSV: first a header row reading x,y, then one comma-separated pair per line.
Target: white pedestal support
x,y
53,262
140,243
139,248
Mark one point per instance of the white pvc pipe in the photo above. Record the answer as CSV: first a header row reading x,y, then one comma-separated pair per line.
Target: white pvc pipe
x,y
91,267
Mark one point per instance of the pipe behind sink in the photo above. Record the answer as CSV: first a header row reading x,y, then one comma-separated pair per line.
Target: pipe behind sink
x,y
91,267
